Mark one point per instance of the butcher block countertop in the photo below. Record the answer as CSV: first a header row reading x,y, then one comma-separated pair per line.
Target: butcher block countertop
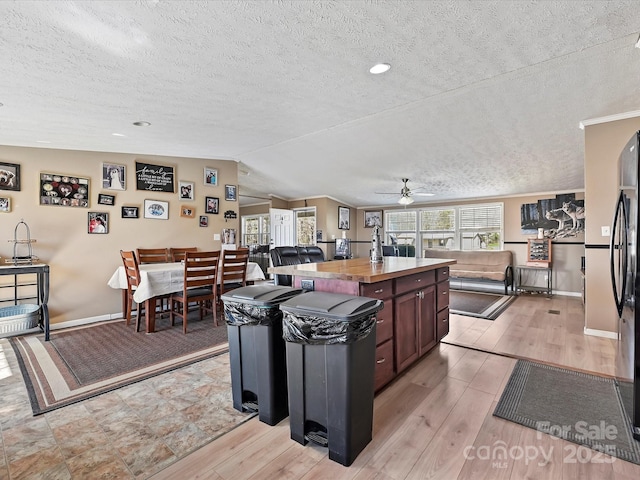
x,y
362,270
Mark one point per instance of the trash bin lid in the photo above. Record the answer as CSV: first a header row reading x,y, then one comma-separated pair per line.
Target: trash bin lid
x,y
261,295
335,306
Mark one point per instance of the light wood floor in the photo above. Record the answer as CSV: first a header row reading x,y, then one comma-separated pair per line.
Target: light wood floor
x,y
435,421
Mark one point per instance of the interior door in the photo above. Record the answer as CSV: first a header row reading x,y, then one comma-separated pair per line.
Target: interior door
x,y
282,228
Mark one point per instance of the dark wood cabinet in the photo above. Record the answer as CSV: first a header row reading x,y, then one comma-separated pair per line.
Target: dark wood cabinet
x,y
385,368
406,330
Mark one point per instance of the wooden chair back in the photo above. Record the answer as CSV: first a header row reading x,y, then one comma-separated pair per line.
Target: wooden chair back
x,y
201,270
177,254
233,269
131,269
152,255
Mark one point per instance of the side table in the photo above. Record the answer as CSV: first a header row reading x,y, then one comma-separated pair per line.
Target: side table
x,y
526,277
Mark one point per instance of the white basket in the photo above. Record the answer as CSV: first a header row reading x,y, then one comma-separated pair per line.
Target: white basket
x,y
18,317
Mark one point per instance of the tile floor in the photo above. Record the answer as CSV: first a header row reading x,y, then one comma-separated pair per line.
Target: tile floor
x,y
132,432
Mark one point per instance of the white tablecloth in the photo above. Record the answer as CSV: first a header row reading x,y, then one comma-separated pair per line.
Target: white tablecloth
x,y
158,279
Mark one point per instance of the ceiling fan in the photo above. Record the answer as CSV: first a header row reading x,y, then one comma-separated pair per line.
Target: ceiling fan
x,y
406,195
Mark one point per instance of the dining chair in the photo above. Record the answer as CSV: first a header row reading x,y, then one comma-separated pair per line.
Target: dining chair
x,y
177,254
152,255
133,280
233,269
200,276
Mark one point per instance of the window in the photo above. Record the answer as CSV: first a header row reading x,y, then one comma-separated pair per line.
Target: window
x,y
305,226
255,229
464,227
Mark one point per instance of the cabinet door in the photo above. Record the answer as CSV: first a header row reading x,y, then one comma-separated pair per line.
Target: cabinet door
x,y
427,318
406,329
442,326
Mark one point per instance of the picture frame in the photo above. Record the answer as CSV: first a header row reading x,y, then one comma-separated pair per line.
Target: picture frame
x,y
104,199
5,204
114,176
130,212
9,176
156,209
373,218
186,190
155,178
187,211
98,223
212,205
343,218
230,193
204,221
210,176
64,190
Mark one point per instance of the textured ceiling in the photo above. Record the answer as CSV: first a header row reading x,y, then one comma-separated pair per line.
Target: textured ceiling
x,y
483,98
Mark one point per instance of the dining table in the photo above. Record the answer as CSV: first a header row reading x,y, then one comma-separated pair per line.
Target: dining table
x,y
160,279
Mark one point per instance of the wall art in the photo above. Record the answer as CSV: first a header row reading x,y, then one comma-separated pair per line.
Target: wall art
x,y
211,205
187,211
373,219
210,176
5,204
9,176
230,193
343,218
98,222
154,178
106,199
187,190
156,209
559,217
130,212
64,190
114,176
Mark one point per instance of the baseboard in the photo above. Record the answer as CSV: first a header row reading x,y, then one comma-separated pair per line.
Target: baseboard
x,y
85,321
600,333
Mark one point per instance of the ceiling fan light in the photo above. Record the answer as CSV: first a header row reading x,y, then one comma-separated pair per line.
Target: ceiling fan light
x,y
405,200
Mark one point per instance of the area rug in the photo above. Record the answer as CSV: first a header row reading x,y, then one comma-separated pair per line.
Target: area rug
x,y
581,408
478,304
82,362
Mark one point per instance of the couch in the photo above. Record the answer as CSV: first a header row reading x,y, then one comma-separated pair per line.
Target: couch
x,y
482,265
293,256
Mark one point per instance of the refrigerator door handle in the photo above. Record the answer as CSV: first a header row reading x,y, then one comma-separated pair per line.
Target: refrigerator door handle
x,y
619,246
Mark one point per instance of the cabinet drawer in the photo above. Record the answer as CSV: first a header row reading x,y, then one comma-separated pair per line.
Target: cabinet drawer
x,y
384,323
384,372
415,281
442,323
442,274
379,290
442,295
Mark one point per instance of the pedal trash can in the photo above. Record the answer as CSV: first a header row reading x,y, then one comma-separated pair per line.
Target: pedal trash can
x,y
257,350
330,344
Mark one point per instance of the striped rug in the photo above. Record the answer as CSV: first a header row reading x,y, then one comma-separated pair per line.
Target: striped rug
x,y
82,362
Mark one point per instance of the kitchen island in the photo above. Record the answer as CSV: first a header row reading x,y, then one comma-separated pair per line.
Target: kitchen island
x,y
415,292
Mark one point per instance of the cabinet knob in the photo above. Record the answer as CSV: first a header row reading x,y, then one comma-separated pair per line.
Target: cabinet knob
x,y
380,320
380,360
445,293
380,290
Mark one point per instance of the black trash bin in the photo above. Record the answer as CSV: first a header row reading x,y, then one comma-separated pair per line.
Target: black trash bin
x,y
257,350
331,343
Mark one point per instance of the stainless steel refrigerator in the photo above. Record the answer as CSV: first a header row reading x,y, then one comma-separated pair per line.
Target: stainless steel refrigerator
x,y
624,275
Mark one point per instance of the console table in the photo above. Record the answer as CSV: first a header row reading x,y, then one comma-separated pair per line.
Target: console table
x,y
42,284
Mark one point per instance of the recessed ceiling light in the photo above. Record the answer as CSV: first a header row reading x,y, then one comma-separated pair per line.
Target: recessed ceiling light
x,y
141,124
379,68
117,134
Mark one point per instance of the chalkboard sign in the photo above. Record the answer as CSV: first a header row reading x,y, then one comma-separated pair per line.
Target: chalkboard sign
x,y
155,178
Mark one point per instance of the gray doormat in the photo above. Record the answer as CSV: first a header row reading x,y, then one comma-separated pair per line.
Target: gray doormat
x,y
578,407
